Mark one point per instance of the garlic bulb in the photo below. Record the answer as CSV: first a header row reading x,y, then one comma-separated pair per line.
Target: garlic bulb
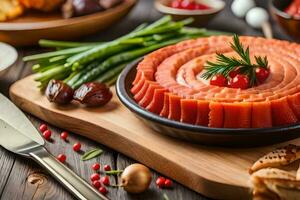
x,y
256,17
241,7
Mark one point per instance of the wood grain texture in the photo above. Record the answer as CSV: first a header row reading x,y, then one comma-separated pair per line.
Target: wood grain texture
x,y
209,168
31,27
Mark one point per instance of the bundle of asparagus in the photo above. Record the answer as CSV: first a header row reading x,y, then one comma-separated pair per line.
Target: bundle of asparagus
x,y
77,63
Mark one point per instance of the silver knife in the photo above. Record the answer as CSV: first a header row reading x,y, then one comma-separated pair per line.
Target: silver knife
x,y
18,135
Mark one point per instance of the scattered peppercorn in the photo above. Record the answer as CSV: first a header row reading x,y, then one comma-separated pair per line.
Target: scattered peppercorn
x,y
97,184
96,166
47,134
76,147
95,177
160,182
62,158
107,168
103,190
43,127
105,180
168,183
64,135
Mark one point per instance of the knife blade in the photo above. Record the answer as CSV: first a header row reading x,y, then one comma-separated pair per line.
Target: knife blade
x,y
17,119
15,138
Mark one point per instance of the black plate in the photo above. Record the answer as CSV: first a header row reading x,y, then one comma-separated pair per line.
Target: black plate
x,y
238,137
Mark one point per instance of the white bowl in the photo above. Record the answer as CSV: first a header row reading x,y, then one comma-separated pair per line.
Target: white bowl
x,y
8,56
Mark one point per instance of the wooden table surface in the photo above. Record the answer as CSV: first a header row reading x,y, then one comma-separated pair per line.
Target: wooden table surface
x,y
23,179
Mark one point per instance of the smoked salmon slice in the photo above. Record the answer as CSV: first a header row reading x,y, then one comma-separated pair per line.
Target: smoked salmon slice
x,y
237,115
156,105
294,102
144,102
261,115
202,113
282,114
189,109
174,107
140,94
216,115
165,110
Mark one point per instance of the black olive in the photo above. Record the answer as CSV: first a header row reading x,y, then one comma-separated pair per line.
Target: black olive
x,y
93,94
59,92
84,7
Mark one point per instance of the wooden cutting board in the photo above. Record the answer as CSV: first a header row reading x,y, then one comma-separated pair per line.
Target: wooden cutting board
x,y
215,172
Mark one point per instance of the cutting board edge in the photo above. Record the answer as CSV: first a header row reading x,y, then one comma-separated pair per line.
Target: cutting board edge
x,y
208,187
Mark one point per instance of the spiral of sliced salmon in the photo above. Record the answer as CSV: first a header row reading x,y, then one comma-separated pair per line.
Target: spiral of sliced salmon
x,y
168,83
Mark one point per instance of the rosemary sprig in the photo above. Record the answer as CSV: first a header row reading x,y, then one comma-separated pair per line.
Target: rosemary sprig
x,y
225,65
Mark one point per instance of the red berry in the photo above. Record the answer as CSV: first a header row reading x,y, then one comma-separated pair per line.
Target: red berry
x,y
262,74
43,127
64,135
233,73
240,81
103,190
218,80
96,166
62,158
168,183
95,177
47,134
105,180
77,146
160,182
97,184
107,168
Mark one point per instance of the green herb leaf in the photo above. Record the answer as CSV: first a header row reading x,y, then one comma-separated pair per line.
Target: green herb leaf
x,y
91,154
113,172
225,65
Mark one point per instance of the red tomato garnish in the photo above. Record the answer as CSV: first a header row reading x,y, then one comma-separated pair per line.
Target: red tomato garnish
x,y
107,168
218,80
160,182
97,184
64,135
188,5
62,158
47,134
233,73
176,4
103,190
96,166
77,146
105,180
262,74
240,81
168,183
95,177
43,127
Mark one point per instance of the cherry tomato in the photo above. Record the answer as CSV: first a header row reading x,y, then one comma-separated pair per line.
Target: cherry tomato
x,y
176,4
188,5
233,73
262,74
240,81
218,80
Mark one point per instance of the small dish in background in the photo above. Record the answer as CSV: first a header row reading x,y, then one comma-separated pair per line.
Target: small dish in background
x,y
201,17
8,56
287,22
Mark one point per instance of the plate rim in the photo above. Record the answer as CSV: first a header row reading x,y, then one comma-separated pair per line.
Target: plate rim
x,y
23,26
134,107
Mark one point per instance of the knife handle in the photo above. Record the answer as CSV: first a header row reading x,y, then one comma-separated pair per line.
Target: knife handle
x,y
75,184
